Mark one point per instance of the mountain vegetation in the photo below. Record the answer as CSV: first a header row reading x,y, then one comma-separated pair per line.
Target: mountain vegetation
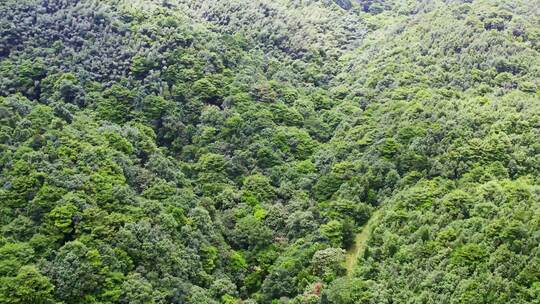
x,y
230,151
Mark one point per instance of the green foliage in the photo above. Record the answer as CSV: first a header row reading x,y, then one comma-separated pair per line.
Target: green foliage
x,y
333,231
227,152
13,257
347,290
136,290
61,219
28,286
327,264
250,232
470,254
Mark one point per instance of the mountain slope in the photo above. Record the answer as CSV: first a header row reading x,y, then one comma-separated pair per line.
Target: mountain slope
x,y
229,151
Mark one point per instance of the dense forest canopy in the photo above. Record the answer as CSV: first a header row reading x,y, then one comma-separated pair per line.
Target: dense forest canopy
x,y
239,151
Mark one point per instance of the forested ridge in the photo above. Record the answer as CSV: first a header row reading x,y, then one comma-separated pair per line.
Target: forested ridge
x,y
180,151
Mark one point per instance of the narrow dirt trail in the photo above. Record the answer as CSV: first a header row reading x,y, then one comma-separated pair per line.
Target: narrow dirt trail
x,y
353,253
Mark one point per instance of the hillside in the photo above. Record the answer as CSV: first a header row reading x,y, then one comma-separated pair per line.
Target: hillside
x,y
234,151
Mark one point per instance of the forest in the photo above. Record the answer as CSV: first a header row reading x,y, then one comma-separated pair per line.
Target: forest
x,y
269,151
